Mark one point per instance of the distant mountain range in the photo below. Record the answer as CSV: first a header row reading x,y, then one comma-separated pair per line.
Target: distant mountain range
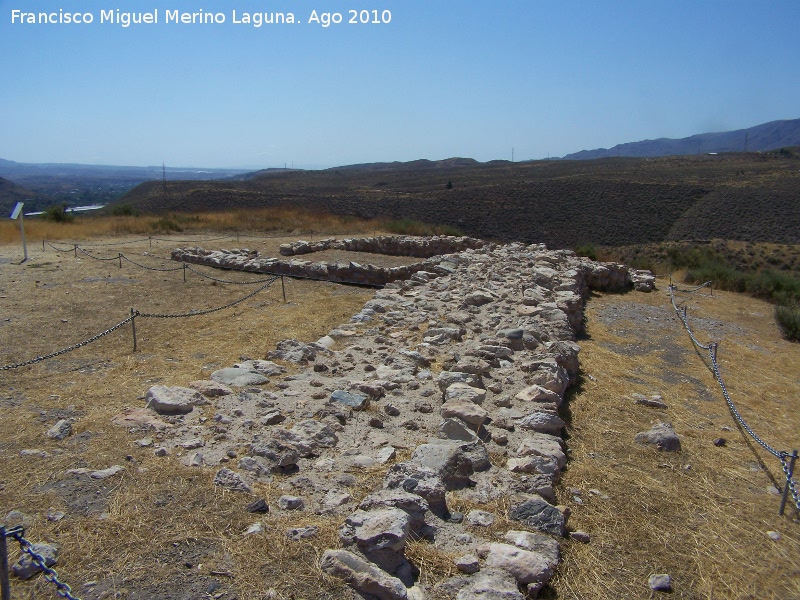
x,y
761,138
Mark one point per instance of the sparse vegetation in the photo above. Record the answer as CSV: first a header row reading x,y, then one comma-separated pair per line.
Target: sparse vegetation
x,y
586,249
412,227
58,213
124,210
788,317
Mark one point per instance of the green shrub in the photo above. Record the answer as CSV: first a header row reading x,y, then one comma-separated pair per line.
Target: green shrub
x,y
411,227
166,224
788,317
59,214
586,249
124,210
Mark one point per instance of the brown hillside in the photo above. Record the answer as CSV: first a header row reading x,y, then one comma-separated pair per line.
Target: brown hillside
x,y
749,197
10,194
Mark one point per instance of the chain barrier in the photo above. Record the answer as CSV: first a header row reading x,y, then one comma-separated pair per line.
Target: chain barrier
x,y
94,338
214,239
782,455
51,576
97,257
162,270
224,281
693,289
134,314
195,313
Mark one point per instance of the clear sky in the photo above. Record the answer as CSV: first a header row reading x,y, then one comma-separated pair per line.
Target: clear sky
x,y
443,78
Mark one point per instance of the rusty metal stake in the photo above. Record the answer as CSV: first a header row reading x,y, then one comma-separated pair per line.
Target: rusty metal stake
x,y
786,487
283,288
5,586
133,327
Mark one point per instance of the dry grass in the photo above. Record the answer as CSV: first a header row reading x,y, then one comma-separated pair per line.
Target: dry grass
x,y
701,515
254,221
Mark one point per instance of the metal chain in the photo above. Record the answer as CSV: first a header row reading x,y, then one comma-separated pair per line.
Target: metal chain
x,y
70,349
96,257
195,313
61,249
789,479
97,245
694,289
735,412
685,320
781,455
149,268
214,239
50,575
224,281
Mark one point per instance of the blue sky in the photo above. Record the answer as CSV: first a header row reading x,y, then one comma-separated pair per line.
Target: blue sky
x,y
442,79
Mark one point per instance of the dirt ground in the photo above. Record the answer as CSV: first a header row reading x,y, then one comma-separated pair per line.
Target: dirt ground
x,y
161,530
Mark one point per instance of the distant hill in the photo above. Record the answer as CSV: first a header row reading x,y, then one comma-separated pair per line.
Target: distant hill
x,y
761,138
76,184
10,194
611,201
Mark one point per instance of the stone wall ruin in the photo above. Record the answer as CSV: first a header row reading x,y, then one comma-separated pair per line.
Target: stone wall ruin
x,y
465,358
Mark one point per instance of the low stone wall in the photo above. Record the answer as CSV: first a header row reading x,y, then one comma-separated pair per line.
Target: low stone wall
x,y
339,272
612,277
392,245
468,358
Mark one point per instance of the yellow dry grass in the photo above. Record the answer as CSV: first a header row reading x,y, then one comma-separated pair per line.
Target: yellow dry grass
x,y
281,221
701,515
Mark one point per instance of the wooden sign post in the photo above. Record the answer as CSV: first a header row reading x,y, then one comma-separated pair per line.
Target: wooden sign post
x,y
17,212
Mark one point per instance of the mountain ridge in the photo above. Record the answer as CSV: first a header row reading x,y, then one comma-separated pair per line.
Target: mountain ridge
x,y
759,138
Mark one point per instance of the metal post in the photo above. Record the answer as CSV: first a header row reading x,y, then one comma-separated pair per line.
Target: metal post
x,y
42,245
22,233
5,586
714,350
283,288
786,487
150,237
237,237
120,260
711,287
76,250
133,327
184,272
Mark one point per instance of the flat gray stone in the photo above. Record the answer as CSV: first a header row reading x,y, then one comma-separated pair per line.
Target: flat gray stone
x,y
464,410
660,582
464,393
491,584
362,576
60,431
377,529
25,568
540,515
173,400
528,568
662,436
456,429
543,422
231,480
355,400
238,377
536,542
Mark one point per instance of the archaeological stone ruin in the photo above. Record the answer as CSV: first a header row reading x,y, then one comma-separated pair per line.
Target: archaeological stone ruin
x,y
450,381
